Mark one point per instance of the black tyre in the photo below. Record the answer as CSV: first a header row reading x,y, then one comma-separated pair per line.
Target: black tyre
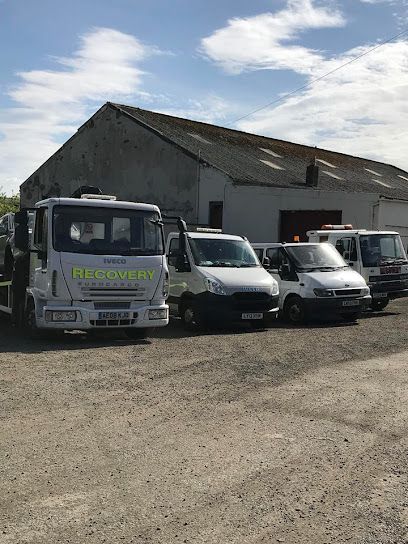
x,y
137,334
294,311
30,324
378,305
190,316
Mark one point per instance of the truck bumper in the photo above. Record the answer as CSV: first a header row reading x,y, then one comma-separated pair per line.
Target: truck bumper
x,y
233,309
386,294
336,306
87,319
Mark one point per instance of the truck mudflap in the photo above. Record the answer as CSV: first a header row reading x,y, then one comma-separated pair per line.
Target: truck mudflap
x,y
80,318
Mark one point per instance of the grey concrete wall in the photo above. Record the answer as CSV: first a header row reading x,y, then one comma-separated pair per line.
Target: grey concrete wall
x,y
211,189
393,215
123,158
254,211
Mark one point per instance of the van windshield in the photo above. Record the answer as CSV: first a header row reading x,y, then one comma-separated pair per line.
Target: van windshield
x,y
316,257
223,253
106,231
380,249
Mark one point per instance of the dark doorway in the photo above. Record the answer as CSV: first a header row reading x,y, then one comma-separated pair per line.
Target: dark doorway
x,y
215,215
297,223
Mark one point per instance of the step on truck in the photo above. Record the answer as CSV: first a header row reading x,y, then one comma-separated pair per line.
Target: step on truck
x,y
379,257
217,279
89,263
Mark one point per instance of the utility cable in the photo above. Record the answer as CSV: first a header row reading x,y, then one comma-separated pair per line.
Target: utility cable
x,y
283,97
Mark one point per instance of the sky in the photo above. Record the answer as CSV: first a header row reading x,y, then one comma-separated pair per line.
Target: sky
x,y
213,61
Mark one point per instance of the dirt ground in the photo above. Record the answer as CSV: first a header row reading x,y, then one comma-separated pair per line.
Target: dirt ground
x,y
287,435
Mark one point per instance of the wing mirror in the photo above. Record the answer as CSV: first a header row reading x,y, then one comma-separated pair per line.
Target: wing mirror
x,y
266,262
284,271
21,231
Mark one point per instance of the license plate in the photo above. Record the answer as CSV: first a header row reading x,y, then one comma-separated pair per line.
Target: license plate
x,y
390,270
379,295
252,316
351,303
113,315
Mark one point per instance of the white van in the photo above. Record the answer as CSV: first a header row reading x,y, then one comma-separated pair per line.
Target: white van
x,y
217,278
379,256
314,280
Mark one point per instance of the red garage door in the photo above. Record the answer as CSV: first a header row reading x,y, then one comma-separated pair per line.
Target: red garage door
x,y
297,223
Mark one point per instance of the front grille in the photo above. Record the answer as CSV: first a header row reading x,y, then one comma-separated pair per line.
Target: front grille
x,y
347,292
252,302
107,305
112,322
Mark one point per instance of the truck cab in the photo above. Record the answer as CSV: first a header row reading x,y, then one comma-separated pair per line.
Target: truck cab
x,y
314,281
217,278
379,257
95,263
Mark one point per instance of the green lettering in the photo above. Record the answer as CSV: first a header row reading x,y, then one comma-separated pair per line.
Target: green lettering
x,y
99,274
150,273
111,275
89,274
141,275
78,273
122,274
132,275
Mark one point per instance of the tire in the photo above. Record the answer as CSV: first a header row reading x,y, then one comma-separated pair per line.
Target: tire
x,y
378,305
189,315
30,325
294,311
137,333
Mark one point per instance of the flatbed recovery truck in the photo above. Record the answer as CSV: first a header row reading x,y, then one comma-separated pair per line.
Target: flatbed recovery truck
x,y
88,263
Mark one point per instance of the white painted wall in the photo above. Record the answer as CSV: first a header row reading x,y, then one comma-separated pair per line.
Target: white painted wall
x,y
211,189
254,211
393,215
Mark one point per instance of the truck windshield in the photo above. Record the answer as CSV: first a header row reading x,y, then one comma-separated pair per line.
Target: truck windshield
x,y
379,249
316,257
107,231
223,253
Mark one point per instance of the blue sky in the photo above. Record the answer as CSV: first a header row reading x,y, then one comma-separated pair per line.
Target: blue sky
x,y
213,61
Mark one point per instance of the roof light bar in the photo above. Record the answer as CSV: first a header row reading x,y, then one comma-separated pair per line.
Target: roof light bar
x,y
336,227
205,229
99,197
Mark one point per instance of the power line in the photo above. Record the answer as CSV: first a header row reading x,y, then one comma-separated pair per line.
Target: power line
x,y
283,97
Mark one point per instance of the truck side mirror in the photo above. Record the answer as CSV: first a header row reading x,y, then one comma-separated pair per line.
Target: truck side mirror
x,y
182,264
21,231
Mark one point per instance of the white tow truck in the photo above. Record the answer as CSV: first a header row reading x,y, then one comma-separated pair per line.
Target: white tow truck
x,y
88,263
378,256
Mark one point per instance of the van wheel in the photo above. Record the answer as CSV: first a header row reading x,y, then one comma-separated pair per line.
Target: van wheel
x,y
294,311
189,315
378,305
137,333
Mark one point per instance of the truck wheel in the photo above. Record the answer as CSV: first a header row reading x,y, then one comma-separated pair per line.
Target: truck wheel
x,y
378,305
137,333
294,311
30,324
189,315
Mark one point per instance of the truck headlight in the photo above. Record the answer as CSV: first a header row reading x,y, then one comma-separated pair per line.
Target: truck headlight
x,y
275,288
214,286
365,291
324,292
56,316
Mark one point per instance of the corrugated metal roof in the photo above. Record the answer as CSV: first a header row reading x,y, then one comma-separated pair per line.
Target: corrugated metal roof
x,y
243,157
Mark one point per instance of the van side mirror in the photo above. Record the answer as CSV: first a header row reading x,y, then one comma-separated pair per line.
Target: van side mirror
x,y
182,263
284,271
266,262
21,231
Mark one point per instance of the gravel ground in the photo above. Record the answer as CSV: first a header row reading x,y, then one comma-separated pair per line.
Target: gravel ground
x,y
287,435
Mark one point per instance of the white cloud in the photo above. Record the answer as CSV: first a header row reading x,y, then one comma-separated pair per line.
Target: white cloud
x,y
50,104
209,109
266,41
360,110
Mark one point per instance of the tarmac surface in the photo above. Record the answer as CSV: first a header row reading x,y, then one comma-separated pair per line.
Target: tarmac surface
x,y
294,435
